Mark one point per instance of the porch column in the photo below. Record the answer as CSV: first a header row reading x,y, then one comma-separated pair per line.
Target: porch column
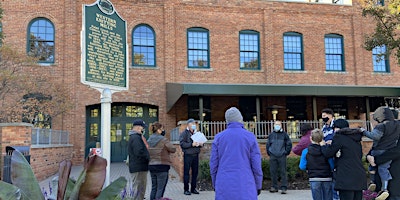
x,y
258,108
314,108
367,108
201,109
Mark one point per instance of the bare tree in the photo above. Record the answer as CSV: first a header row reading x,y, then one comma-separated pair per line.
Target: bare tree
x,y
26,97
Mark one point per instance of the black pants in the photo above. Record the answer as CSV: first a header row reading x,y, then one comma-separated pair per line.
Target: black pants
x,y
190,161
159,181
278,168
350,194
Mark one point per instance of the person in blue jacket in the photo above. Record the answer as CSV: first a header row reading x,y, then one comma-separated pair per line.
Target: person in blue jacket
x,y
235,161
318,167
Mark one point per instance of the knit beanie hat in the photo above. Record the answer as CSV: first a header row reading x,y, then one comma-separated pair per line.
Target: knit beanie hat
x,y
341,123
233,115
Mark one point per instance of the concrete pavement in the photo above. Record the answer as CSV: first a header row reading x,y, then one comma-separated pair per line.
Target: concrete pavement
x,y
174,189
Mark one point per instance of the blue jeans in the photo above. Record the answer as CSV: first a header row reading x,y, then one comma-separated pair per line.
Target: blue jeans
x,y
321,190
158,182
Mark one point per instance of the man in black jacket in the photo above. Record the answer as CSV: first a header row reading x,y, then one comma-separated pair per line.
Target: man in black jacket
x,y
138,159
191,152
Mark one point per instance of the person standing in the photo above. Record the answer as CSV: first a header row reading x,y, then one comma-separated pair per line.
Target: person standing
x,y
138,159
385,136
235,161
160,149
327,128
278,148
191,152
318,167
305,130
350,173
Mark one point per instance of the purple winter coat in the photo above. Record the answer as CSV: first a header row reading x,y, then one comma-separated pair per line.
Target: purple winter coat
x,y
235,164
303,143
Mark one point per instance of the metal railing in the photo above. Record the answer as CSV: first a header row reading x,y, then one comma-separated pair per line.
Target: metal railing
x,y
49,137
263,128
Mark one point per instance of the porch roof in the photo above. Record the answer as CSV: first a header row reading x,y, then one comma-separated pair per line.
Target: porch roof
x,y
176,90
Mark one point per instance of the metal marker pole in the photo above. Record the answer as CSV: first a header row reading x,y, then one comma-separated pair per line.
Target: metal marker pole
x,y
105,130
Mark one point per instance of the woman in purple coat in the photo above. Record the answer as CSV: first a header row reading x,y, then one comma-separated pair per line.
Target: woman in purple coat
x,y
305,130
235,162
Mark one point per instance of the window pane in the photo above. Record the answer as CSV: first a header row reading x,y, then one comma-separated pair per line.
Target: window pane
x,y
249,50
292,47
379,60
198,48
334,53
152,112
41,40
134,111
143,46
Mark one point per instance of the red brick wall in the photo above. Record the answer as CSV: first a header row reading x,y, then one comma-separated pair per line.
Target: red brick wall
x,y
224,19
44,161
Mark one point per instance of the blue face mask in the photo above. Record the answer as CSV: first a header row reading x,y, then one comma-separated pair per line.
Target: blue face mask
x,y
277,128
193,127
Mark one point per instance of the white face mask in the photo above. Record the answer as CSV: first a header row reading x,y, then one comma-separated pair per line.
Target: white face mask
x,y
277,128
193,127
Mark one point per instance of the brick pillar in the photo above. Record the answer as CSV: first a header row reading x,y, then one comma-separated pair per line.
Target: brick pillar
x,y
13,134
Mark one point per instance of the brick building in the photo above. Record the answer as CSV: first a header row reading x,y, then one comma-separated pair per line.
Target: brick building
x,y
188,57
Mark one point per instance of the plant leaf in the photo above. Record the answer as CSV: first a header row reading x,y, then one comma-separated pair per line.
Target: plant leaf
x,y
74,194
70,187
22,176
113,190
95,175
9,192
63,175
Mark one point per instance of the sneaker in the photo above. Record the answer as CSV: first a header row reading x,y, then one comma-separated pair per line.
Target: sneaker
x,y
195,191
187,193
283,191
272,190
372,187
382,195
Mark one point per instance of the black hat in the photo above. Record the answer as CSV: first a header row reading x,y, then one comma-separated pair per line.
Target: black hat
x,y
139,122
341,123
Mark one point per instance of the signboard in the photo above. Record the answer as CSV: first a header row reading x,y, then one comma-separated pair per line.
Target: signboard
x,y
104,52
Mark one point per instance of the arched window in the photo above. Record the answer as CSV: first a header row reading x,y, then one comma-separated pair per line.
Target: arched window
x,y
334,53
144,49
293,51
198,48
41,40
249,49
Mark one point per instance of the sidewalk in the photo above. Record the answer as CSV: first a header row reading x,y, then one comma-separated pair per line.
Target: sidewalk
x,y
174,189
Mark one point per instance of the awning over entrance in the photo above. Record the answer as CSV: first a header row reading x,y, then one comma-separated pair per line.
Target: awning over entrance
x,y
176,90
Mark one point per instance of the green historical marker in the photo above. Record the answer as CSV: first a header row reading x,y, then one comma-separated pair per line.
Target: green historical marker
x,y
104,59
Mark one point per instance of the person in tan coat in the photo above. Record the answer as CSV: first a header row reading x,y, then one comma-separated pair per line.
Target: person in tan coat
x,y
159,148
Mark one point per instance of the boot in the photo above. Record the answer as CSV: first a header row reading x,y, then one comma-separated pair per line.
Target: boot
x,y
382,195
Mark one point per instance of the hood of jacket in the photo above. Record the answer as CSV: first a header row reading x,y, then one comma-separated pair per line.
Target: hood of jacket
x,y
154,139
354,133
382,114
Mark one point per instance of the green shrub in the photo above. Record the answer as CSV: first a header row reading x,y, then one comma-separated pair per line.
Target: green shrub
x,y
293,171
204,170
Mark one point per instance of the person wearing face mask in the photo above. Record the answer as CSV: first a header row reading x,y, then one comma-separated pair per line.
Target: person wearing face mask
x,y
138,159
327,128
191,152
160,148
278,147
